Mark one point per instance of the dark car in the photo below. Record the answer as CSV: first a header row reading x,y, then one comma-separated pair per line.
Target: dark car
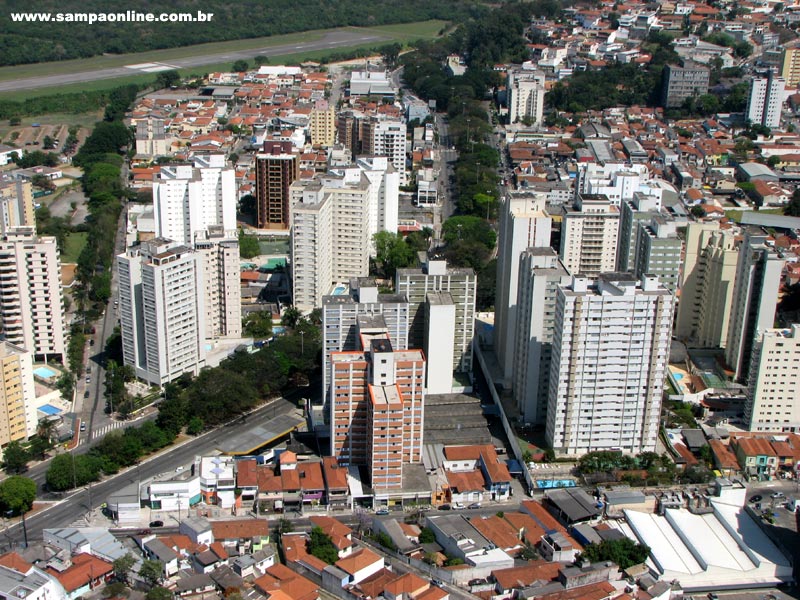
x,y
445,507
754,499
475,505
156,523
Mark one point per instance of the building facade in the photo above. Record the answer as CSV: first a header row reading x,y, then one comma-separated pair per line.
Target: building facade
x,y
525,96
709,272
16,204
524,224
683,81
790,65
435,276
17,395
773,385
540,275
589,234
222,296
609,357
190,198
765,101
162,317
277,167
755,300
31,302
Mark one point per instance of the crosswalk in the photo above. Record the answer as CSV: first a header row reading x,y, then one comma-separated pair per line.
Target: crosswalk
x,y
98,433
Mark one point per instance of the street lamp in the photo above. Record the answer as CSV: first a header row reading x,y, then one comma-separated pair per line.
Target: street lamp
x,y
302,340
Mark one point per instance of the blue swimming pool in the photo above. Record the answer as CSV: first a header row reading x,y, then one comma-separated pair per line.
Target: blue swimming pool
x,y
677,376
44,372
278,329
50,410
339,290
546,484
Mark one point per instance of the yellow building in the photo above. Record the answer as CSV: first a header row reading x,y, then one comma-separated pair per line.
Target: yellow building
x,y
790,65
16,204
322,126
17,394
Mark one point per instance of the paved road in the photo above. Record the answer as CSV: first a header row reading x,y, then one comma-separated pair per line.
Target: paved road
x,y
77,504
334,39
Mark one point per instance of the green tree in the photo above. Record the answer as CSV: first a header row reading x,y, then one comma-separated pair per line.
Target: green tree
x,y
426,536
167,79
66,471
17,494
15,457
195,426
469,228
392,252
38,447
239,66
258,324
792,208
122,567
321,546
248,205
260,60
624,552
159,593
248,245
453,562
290,317
151,571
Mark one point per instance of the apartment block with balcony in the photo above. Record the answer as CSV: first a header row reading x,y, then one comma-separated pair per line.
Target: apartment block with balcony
x,y
609,357
17,395
31,301
222,295
277,167
589,235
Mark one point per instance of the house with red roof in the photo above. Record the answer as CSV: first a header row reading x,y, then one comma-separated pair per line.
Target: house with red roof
x,y
86,573
756,455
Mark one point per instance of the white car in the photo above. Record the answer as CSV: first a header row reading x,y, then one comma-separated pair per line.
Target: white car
x,y
180,469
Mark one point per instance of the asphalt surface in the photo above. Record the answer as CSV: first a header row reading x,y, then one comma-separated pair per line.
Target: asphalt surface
x,y
76,504
333,39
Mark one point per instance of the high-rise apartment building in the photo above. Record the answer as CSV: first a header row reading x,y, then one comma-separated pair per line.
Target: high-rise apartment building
x,y
384,202
525,96
190,198
31,302
277,167
330,234
540,275
773,385
322,124
755,300
609,358
435,276
589,233
377,406
440,342
16,204
709,271
162,317
340,315
17,395
386,137
524,224
765,102
659,252
683,81
639,209
790,64
222,294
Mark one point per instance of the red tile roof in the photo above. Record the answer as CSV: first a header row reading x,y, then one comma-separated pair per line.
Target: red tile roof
x,y
242,529
13,561
85,569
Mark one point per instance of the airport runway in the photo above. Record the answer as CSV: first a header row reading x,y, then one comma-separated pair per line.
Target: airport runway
x,y
333,39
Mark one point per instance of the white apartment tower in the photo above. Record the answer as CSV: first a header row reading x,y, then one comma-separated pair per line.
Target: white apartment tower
x,y
162,317
435,276
524,224
640,208
31,302
525,96
540,275
610,350
222,295
330,234
773,385
755,299
190,198
387,137
765,102
589,234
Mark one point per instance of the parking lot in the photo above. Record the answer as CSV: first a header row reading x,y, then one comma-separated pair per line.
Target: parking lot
x,y
784,526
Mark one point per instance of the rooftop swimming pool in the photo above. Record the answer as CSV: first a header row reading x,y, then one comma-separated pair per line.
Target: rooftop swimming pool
x,y
547,484
50,410
44,372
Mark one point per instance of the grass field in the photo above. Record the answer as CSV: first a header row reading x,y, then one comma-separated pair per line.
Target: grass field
x,y
73,246
402,33
736,215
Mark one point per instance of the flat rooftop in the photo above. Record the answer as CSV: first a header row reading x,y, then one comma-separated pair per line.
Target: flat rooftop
x,y
260,435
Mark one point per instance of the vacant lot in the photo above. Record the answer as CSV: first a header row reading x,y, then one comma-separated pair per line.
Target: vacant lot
x,y
28,137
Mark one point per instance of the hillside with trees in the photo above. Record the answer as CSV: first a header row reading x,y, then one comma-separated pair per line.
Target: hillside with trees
x,y
30,42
